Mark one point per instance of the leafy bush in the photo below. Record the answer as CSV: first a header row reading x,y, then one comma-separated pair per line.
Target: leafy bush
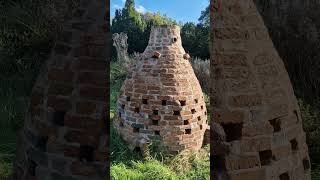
x,y
202,71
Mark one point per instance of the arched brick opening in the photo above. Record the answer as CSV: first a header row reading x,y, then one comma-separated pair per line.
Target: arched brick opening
x,y
65,130
258,131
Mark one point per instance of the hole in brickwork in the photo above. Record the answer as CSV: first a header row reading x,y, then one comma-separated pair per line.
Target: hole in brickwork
x,y
157,132
193,111
185,122
136,110
294,144
306,164
86,153
128,98
182,103
205,113
119,114
121,124
218,163
265,157
176,113
201,107
188,131
136,130
137,149
155,122
144,101
174,39
32,167
276,124
42,143
199,118
155,112
196,100
164,102
284,176
233,131
123,106
58,118
296,114
200,127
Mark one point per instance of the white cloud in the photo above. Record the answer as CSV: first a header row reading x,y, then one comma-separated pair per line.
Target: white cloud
x,y
141,9
116,6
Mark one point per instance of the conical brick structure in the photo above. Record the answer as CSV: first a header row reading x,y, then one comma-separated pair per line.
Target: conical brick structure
x,y
65,130
161,100
257,128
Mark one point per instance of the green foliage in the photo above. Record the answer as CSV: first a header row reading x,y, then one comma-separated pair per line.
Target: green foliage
x,y
311,125
138,26
26,33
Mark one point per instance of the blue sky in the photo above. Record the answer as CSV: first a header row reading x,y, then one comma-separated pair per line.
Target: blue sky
x,y
179,10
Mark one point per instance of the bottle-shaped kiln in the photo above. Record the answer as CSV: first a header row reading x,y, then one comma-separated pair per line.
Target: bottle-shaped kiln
x,y
161,99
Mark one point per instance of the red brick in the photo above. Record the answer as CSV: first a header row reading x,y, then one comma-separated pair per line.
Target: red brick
x,y
60,75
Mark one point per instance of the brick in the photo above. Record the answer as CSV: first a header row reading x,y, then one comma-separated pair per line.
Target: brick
x,y
82,169
60,75
245,100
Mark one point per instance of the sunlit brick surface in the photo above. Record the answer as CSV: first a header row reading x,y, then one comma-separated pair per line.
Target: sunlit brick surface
x,y
161,100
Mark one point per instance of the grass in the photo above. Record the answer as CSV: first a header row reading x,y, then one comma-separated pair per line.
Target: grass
x,y
126,164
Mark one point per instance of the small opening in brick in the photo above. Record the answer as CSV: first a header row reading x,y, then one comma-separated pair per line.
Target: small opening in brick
x,y
188,131
205,113
155,122
136,130
193,111
284,176
128,98
175,39
200,127
121,124
233,131
306,164
119,114
199,118
155,112
201,107
276,124
196,100
294,144
157,132
144,101
218,162
164,102
182,103
86,153
58,118
32,167
42,143
176,113
123,106
296,114
137,149
265,157
136,110
185,122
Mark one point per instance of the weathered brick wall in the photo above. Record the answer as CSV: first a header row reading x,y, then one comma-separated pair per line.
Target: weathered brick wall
x,y
65,134
161,100
257,125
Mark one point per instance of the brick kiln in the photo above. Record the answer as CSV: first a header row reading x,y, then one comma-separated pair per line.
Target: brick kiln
x,y
65,131
161,100
257,128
